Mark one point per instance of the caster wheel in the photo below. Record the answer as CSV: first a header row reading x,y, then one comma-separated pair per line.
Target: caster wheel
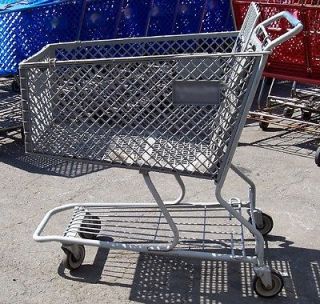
x,y
15,87
317,157
90,228
288,112
262,291
71,262
263,125
306,115
22,134
267,224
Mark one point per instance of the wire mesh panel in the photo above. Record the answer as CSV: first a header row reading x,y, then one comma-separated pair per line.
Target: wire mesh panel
x,y
129,111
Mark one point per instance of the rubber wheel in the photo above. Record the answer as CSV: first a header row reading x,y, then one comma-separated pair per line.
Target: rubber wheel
x,y
317,157
288,112
267,224
92,222
263,125
71,262
306,115
262,291
15,87
22,134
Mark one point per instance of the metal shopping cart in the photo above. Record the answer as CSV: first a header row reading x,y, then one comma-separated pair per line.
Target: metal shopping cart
x,y
296,62
171,104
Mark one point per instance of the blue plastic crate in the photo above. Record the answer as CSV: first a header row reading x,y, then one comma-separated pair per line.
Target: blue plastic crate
x,y
26,28
100,20
162,17
217,17
28,25
189,16
134,18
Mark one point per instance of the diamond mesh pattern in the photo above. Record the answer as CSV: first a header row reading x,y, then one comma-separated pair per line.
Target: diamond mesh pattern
x,y
24,32
121,111
27,26
9,56
202,43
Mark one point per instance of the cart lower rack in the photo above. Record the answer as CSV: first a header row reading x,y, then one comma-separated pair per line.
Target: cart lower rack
x,y
172,105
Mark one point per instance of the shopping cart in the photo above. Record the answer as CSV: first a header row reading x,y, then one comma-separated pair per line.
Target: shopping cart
x,y
296,61
173,105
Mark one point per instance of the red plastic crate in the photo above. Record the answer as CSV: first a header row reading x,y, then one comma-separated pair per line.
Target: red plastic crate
x,y
298,58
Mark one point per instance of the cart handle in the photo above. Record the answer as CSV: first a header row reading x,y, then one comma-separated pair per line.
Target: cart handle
x,y
271,44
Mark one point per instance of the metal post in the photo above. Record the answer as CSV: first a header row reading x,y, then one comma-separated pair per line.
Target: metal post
x,y
166,215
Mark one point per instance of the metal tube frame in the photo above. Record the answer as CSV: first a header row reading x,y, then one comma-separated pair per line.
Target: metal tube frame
x,y
257,260
165,212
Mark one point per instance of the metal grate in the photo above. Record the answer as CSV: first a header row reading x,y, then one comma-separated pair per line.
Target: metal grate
x,y
201,227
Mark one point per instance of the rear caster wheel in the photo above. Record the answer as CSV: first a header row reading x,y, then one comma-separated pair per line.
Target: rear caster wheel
x,y
317,157
267,224
263,125
306,115
273,290
288,112
90,228
70,261
15,86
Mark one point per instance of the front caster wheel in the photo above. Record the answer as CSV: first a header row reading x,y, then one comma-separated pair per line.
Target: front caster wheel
x,y
267,224
70,261
273,290
15,86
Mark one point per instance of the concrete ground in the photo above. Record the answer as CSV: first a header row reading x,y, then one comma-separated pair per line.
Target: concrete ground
x,y
280,162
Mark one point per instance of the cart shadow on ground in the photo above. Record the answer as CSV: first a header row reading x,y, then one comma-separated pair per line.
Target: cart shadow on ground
x,y
285,141
288,140
157,279
12,153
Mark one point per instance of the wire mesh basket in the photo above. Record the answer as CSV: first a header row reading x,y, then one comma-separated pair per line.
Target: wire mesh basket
x,y
169,113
